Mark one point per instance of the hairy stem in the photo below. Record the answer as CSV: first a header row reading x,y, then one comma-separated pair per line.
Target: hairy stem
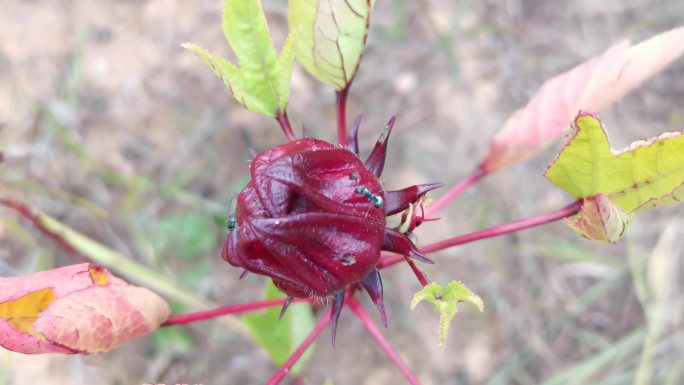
x,y
380,339
284,122
283,370
341,98
512,227
181,319
455,191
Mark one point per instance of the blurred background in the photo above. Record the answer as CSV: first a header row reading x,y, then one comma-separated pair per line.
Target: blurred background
x,y
108,125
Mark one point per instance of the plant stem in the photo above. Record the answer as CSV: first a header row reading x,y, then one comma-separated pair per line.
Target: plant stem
x,y
181,319
285,368
75,242
341,99
419,274
34,217
284,122
512,227
455,191
380,339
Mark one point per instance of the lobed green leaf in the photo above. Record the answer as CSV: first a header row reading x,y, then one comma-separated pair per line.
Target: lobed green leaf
x,y
444,301
262,82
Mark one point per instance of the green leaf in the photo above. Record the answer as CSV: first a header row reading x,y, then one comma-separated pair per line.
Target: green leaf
x,y
186,235
444,301
281,337
333,37
648,173
262,82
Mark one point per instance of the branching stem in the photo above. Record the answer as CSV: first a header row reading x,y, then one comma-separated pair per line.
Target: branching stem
x,y
380,339
512,227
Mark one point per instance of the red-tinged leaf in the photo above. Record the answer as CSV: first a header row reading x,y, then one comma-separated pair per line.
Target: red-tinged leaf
x,y
594,85
600,220
75,309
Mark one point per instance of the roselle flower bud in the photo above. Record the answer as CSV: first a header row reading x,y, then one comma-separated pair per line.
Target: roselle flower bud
x,y
312,218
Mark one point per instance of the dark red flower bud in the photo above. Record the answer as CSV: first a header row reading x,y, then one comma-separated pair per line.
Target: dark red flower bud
x,y
313,220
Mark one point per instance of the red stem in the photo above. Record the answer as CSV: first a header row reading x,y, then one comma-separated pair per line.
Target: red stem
x,y
181,319
341,98
25,211
380,339
283,370
284,122
419,274
512,227
455,191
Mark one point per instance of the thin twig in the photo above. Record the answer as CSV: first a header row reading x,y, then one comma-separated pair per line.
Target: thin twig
x,y
285,368
512,227
380,339
181,319
27,212
416,270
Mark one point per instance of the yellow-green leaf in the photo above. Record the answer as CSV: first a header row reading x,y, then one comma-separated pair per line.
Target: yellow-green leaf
x,y
646,174
444,301
333,37
262,81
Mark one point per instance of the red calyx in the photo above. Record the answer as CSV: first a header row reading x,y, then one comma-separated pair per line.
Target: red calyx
x,y
313,220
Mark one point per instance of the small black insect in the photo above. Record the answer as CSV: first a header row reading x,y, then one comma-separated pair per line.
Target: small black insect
x,y
376,200
231,222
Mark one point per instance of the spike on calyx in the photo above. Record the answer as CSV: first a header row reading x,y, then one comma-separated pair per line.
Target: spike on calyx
x,y
373,285
286,304
376,160
337,302
397,242
353,137
399,200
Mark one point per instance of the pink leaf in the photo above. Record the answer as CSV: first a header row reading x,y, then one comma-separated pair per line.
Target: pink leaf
x,y
75,309
592,86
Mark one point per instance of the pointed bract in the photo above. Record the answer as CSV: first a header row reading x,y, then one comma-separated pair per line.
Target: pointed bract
x,y
398,200
373,285
353,137
337,302
286,304
397,242
376,160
